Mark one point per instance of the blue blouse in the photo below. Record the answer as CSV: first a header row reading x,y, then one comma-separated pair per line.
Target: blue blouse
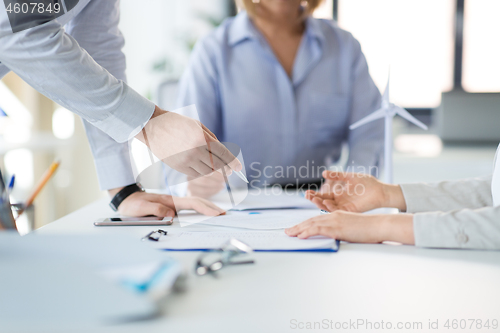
x,y
287,128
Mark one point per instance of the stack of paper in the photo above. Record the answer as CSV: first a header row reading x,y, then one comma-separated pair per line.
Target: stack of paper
x,y
257,240
262,230
263,199
262,220
258,220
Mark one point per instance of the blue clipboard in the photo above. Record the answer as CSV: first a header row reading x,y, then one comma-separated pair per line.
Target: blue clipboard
x,y
330,250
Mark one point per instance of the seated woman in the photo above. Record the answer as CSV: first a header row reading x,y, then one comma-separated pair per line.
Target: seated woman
x,y
450,214
284,87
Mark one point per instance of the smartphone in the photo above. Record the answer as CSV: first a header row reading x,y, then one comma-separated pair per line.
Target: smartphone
x,y
134,221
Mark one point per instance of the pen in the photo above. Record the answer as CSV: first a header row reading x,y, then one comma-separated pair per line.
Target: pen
x,y
241,175
324,212
11,183
45,178
2,183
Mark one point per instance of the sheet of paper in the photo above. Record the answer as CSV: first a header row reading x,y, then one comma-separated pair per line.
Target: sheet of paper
x,y
263,219
266,198
257,240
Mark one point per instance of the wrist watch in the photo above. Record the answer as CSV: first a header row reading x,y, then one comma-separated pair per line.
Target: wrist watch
x,y
124,194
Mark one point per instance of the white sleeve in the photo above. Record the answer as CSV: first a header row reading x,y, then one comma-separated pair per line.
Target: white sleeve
x,y
54,64
458,214
465,228
96,30
448,195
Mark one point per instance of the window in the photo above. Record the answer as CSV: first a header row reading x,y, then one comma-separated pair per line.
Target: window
x,y
414,38
481,60
325,10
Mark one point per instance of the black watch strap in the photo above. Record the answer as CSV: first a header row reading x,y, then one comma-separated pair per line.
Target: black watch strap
x,y
123,194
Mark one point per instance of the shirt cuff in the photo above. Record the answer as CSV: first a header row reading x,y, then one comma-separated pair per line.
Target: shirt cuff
x,y
437,231
129,118
112,174
416,198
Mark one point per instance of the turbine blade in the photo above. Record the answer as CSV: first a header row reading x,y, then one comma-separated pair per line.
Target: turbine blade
x,y
385,96
406,115
380,113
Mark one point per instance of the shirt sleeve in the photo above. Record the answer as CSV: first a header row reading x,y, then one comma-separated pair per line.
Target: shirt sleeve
x,y
96,30
199,86
445,196
465,228
53,63
365,142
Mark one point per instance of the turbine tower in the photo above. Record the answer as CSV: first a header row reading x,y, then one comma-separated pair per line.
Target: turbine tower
x,y
387,111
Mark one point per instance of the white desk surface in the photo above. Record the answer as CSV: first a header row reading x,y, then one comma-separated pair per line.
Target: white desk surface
x,y
389,283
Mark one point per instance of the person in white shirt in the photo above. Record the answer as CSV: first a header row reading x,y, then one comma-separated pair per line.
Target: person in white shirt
x,y
450,214
73,55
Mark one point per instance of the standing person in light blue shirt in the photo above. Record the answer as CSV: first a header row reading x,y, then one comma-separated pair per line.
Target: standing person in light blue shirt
x,y
71,51
285,87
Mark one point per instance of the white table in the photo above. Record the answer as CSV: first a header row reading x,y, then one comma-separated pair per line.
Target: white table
x,y
389,283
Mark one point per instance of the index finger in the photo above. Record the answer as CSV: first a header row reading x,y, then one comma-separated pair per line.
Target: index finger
x,y
208,132
220,152
301,227
336,175
206,207
309,194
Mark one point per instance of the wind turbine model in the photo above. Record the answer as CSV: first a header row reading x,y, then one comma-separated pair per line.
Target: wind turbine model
x,y
388,111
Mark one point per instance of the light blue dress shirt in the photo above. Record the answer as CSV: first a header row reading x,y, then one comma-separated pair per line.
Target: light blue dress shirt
x,y
286,127
77,61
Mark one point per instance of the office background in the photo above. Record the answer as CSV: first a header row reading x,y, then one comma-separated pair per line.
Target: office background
x,y
431,46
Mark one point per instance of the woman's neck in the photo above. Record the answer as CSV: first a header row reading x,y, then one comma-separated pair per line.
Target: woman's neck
x,y
273,26
283,35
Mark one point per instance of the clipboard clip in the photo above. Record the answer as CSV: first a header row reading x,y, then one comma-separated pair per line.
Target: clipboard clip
x,y
155,235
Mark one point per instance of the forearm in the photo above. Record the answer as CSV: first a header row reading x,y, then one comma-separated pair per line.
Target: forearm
x,y
112,192
393,197
147,132
397,228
